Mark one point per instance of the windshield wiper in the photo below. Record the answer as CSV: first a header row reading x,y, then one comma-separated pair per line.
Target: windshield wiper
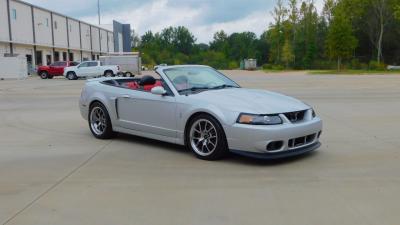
x,y
193,89
224,86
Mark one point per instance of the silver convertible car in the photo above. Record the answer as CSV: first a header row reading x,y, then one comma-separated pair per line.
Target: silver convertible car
x,y
204,110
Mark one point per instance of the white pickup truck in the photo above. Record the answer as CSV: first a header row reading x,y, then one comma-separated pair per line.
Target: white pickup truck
x,y
90,69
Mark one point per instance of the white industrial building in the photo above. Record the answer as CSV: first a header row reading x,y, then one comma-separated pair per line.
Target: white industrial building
x,y
44,36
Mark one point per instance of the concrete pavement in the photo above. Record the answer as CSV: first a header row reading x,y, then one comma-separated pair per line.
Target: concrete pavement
x,y
52,171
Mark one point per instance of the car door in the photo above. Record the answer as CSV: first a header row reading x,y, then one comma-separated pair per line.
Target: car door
x,y
82,69
93,69
147,112
60,68
53,68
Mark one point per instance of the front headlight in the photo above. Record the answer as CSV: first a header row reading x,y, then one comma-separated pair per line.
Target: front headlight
x,y
245,118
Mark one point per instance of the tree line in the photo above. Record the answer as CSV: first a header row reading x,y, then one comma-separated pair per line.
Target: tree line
x,y
352,34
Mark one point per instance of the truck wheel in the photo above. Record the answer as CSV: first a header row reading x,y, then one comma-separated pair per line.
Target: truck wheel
x,y
129,74
71,76
108,73
43,75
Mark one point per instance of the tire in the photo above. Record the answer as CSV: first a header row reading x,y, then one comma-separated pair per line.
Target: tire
x,y
100,122
44,75
205,137
129,74
71,76
108,73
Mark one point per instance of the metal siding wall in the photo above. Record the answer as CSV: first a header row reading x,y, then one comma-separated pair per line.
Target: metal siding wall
x,y
85,36
74,37
95,40
60,33
43,25
103,40
126,35
4,33
22,31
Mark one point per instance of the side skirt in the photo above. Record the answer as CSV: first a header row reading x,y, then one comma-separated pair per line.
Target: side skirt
x,y
147,135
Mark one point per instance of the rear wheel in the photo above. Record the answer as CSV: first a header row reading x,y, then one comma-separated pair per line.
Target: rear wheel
x,y
43,75
108,73
100,122
71,76
205,138
129,74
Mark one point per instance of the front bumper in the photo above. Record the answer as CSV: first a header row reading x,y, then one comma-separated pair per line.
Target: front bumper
x,y
255,139
281,154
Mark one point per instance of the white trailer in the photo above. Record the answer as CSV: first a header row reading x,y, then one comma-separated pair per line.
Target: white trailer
x,y
129,62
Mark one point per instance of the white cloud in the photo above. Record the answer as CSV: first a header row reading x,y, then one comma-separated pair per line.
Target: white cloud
x,y
256,22
158,15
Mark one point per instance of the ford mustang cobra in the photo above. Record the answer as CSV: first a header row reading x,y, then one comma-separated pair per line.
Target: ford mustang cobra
x,y
204,110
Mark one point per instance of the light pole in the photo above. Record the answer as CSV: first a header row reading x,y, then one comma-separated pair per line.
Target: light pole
x,y
98,9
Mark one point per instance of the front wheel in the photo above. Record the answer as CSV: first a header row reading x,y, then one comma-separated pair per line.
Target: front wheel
x,y
206,138
71,76
43,75
100,122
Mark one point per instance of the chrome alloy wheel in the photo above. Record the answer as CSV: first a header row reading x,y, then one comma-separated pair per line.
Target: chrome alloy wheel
x,y
98,121
203,137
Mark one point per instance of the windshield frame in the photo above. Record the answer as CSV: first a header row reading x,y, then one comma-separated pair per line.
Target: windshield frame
x,y
189,91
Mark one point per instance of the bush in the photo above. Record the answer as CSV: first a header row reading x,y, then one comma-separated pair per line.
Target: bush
x,y
267,66
325,65
233,65
278,67
374,65
355,64
272,67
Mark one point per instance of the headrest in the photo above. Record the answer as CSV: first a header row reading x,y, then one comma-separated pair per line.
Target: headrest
x,y
147,80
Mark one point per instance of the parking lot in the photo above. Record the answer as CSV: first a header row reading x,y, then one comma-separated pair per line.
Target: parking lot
x,y
52,171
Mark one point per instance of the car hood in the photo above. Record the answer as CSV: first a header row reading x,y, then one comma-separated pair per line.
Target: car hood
x,y
250,101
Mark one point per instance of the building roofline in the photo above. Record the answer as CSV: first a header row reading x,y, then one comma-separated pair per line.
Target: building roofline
x,y
60,14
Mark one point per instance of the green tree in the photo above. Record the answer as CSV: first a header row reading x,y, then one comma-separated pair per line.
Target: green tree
x,y
341,41
276,32
287,53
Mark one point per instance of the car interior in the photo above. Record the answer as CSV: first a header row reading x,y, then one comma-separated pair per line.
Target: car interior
x,y
145,83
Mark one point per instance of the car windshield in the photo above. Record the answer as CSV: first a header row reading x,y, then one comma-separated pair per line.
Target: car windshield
x,y
196,78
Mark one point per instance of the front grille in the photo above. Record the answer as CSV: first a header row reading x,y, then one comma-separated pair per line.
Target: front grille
x,y
301,141
295,117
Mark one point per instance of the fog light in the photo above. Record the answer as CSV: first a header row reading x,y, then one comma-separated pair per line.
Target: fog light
x,y
274,146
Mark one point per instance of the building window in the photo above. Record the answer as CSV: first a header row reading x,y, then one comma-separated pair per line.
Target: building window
x,y
70,28
47,22
55,25
14,14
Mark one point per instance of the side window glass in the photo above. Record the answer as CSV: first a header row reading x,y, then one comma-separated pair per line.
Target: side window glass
x,y
83,65
92,64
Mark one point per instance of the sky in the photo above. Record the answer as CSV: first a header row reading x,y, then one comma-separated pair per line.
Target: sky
x,y
202,17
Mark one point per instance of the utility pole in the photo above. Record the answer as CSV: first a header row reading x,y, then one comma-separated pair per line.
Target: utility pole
x,y
98,9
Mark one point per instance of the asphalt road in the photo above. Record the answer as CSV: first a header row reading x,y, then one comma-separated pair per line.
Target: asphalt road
x,y
53,172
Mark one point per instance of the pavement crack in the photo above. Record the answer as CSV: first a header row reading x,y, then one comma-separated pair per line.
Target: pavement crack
x,y
48,190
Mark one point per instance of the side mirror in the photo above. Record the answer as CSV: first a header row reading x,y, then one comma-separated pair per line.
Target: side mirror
x,y
158,90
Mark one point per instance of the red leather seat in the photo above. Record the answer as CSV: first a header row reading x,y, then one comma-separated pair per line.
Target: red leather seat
x,y
149,87
132,85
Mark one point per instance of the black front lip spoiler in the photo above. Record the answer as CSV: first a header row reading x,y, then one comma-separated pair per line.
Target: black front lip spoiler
x,y
278,155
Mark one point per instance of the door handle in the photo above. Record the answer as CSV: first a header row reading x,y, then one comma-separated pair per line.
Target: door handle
x,y
126,96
